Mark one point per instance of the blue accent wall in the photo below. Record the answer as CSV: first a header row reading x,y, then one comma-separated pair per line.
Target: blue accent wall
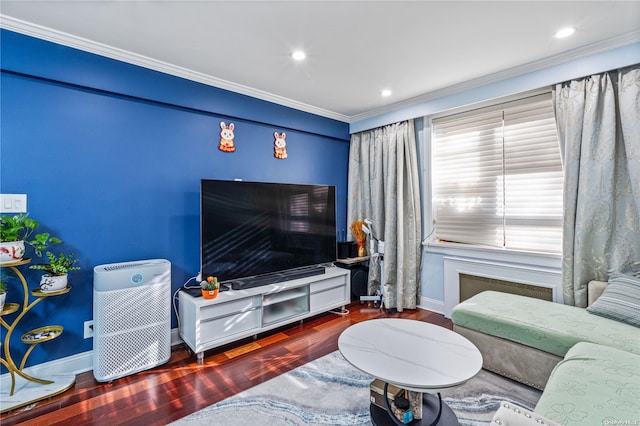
x,y
111,155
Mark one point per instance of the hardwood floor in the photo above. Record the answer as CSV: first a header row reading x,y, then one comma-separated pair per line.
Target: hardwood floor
x,y
182,386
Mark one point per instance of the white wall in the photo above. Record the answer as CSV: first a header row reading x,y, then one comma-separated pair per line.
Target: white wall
x,y
450,98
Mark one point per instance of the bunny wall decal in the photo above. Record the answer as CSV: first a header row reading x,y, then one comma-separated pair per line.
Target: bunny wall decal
x,y
226,137
280,145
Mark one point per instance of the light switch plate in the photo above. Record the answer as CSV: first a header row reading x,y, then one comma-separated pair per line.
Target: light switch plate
x,y
13,203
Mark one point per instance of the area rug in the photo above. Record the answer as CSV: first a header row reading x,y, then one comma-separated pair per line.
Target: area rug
x,y
330,391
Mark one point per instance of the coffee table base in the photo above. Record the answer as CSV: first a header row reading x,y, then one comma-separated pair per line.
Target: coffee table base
x,y
430,403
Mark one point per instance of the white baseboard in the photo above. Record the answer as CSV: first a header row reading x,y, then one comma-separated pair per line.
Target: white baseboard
x,y
74,364
432,305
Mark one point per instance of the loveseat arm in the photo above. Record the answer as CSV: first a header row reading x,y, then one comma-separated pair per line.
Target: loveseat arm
x,y
594,290
511,415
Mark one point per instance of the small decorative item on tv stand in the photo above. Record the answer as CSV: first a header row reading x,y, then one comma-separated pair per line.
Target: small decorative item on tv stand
x,y
210,288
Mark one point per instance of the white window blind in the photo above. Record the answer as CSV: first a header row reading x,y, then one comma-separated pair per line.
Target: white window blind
x,y
497,176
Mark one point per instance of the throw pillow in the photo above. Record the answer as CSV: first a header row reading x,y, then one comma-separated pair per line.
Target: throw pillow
x,y
620,300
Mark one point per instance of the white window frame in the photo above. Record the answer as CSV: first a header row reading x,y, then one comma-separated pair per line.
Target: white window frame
x,y
553,260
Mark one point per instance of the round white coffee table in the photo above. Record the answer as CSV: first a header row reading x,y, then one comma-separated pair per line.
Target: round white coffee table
x,y
412,355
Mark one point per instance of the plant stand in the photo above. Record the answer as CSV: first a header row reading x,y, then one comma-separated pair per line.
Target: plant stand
x,y
25,389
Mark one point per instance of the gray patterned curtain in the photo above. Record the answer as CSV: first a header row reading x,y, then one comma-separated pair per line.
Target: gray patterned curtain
x,y
384,187
598,121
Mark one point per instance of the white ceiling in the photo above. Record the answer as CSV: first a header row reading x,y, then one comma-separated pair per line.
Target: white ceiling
x,y
354,48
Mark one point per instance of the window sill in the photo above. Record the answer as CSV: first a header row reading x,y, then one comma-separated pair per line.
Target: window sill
x,y
549,260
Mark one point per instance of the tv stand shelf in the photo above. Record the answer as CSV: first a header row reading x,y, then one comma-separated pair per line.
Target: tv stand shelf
x,y
235,314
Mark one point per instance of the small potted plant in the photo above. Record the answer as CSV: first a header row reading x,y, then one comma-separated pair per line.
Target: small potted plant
x,y
14,232
210,288
56,270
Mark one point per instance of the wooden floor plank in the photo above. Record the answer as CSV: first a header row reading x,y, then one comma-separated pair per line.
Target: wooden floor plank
x,y
182,386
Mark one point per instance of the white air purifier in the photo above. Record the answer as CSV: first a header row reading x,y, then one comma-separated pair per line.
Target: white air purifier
x,y
131,317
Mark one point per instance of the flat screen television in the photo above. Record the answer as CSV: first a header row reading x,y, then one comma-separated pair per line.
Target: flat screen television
x,y
249,229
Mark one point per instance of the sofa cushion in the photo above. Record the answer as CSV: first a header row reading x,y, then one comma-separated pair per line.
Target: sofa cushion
x,y
593,385
551,327
620,300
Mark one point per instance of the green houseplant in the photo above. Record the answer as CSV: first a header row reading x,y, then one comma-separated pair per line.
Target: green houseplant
x,y
56,271
40,242
14,232
16,228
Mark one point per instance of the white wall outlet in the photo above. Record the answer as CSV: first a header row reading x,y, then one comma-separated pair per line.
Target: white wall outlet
x,y
88,329
13,203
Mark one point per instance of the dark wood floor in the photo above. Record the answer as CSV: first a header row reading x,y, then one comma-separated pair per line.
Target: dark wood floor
x,y
182,386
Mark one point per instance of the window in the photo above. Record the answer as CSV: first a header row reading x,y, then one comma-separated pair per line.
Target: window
x,y
497,176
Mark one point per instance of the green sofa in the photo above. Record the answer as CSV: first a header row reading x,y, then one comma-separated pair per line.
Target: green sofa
x,y
593,384
587,365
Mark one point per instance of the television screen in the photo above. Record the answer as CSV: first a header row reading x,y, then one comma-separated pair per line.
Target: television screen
x,y
254,228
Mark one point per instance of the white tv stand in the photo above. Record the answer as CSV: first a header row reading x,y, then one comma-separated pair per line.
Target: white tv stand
x,y
236,314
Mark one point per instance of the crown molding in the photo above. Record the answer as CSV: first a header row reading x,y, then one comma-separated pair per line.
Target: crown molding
x,y
90,46
65,39
551,61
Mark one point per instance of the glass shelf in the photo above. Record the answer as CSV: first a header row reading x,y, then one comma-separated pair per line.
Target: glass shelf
x,y
284,305
272,299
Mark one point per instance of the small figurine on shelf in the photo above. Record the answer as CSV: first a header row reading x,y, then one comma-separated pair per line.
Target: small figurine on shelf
x,y
210,288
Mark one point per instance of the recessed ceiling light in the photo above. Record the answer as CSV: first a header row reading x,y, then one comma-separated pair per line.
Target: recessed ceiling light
x,y
565,32
385,93
298,55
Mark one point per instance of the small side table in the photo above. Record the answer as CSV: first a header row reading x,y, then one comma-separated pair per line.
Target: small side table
x,y
412,355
